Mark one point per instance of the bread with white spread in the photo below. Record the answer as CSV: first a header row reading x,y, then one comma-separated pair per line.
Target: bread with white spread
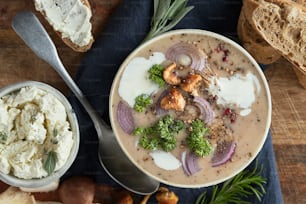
x,y
70,19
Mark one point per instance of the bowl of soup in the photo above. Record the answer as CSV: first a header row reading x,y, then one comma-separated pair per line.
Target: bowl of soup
x,y
190,108
39,135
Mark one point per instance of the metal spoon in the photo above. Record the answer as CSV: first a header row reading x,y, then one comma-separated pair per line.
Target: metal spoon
x,y
111,156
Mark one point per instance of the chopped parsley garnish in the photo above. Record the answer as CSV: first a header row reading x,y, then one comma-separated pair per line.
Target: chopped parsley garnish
x,y
161,135
156,75
196,139
142,102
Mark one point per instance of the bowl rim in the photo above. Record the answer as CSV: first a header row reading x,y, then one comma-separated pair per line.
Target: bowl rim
x,y
222,38
55,176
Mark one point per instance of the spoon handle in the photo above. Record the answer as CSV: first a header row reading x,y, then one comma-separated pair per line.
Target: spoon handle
x,y
28,27
111,157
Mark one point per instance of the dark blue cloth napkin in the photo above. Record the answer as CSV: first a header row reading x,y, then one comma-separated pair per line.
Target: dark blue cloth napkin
x,y
125,31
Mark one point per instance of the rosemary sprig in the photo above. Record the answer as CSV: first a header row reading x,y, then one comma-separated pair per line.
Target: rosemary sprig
x,y
241,186
167,13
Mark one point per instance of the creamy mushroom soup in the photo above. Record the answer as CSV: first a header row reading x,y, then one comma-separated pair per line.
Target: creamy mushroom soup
x,y
189,109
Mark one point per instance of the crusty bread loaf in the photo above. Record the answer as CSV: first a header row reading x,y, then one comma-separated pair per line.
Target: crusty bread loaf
x,y
15,196
282,23
253,42
67,7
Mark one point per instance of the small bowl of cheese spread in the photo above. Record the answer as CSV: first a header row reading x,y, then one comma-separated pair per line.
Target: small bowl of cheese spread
x,y
39,134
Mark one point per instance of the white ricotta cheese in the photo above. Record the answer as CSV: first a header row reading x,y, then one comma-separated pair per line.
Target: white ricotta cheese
x,y
33,122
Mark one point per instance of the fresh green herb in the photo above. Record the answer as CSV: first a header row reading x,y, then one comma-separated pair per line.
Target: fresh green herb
x,y
196,139
242,185
50,162
3,136
142,102
156,74
54,141
33,118
161,135
147,142
167,13
55,132
148,139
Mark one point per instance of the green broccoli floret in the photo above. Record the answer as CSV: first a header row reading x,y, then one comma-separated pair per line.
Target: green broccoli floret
x,y
196,139
142,102
161,135
156,75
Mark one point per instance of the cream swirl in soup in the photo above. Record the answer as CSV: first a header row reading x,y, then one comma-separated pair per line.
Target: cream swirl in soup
x,y
189,108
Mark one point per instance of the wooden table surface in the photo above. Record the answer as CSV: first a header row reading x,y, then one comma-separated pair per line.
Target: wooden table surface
x,y
18,63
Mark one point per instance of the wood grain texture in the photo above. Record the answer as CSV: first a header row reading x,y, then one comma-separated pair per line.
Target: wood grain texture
x,y
18,63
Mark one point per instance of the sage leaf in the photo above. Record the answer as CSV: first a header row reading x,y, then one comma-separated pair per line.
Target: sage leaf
x,y
3,136
177,18
50,162
178,5
161,12
167,13
156,3
55,132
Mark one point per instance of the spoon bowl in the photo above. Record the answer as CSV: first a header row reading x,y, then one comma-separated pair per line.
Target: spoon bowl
x,y
111,157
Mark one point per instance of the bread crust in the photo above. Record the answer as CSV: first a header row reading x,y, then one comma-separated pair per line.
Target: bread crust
x,y
282,24
75,47
254,43
67,41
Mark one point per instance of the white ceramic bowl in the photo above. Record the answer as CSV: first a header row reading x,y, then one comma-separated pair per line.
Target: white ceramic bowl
x,y
244,143
55,176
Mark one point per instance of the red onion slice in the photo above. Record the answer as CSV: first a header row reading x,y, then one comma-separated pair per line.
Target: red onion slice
x,y
205,109
181,51
125,117
183,159
223,153
190,163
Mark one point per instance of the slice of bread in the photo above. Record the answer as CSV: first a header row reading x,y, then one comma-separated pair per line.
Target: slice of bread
x,y
15,196
71,21
282,23
253,42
